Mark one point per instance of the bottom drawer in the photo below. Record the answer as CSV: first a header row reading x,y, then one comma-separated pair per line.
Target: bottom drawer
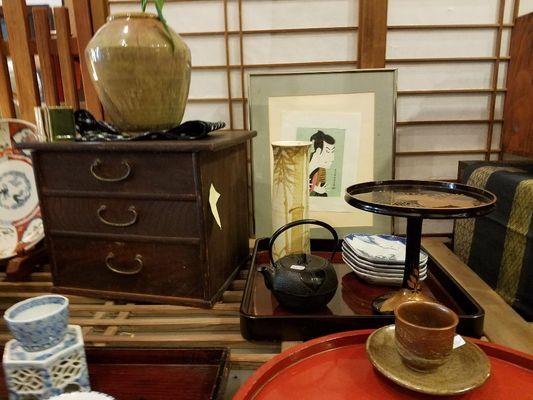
x,y
157,269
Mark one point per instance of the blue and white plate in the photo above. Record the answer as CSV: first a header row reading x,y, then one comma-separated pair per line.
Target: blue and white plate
x,y
19,205
374,279
385,249
398,274
18,191
378,270
382,266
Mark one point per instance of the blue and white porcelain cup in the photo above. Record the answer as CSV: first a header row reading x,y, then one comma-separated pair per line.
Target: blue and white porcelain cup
x,y
38,323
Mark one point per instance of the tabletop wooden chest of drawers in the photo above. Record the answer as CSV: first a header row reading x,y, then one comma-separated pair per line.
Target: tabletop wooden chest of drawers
x,y
136,221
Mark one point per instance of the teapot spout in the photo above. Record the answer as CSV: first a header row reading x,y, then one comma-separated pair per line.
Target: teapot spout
x,y
268,274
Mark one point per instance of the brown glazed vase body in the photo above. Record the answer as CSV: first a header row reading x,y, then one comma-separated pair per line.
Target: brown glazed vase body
x,y
141,79
424,334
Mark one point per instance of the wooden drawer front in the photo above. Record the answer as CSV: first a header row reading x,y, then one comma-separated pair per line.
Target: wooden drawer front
x,y
163,269
168,218
150,173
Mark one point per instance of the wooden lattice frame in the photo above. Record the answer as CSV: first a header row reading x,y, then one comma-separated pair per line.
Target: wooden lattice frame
x,y
499,26
98,10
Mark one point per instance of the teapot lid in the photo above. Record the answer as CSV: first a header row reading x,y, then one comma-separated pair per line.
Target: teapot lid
x,y
300,262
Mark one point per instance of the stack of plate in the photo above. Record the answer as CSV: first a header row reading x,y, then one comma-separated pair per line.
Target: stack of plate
x,y
379,259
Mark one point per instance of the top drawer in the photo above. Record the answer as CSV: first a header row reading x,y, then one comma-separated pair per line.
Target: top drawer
x,y
126,172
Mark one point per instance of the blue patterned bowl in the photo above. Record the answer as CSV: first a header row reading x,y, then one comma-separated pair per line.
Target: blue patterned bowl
x,y
38,323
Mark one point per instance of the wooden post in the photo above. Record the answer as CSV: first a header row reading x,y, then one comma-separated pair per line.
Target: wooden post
x,y
16,15
42,41
65,60
99,13
7,108
84,32
372,33
517,131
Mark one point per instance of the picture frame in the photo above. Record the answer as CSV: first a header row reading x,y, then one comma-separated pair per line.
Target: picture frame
x,y
355,110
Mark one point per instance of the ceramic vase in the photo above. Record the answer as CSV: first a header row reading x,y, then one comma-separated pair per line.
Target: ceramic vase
x,y
141,73
49,372
290,195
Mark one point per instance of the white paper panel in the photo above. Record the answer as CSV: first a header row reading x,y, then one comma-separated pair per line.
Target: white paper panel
x,y
441,137
431,167
443,43
432,12
496,134
436,107
261,49
446,137
325,68
506,42
508,12
233,14
237,115
186,16
432,226
207,112
281,14
208,83
498,109
526,6
236,84
51,3
215,111
475,75
207,50
502,75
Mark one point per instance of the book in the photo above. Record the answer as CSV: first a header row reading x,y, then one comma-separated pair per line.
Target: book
x,y
60,123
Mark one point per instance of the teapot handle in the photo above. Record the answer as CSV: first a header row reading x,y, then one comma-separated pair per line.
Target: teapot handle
x,y
303,222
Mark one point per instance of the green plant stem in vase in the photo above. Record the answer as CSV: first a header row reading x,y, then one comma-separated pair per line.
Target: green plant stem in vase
x,y
159,9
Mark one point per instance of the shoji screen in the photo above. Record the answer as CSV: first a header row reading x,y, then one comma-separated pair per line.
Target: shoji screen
x,y
451,57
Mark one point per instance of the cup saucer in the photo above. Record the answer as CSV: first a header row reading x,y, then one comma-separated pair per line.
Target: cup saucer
x,y
467,368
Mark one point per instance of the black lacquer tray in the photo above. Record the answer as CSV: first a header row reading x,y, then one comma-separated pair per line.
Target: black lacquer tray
x,y
416,200
420,199
262,318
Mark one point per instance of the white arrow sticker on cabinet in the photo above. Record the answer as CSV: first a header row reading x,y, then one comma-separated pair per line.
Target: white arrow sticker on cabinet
x,y
213,200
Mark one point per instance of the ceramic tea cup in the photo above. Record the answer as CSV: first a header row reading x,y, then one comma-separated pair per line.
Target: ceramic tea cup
x,y
424,334
38,323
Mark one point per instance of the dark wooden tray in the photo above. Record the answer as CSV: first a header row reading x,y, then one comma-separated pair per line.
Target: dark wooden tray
x,y
155,374
262,318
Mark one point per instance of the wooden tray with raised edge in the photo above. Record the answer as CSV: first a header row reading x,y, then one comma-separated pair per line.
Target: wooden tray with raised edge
x,y
337,367
155,374
262,318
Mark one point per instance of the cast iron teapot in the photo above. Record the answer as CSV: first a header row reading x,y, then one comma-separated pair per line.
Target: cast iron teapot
x,y
301,282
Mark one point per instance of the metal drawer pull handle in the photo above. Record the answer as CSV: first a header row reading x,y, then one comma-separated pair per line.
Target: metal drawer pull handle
x,y
98,162
131,209
138,258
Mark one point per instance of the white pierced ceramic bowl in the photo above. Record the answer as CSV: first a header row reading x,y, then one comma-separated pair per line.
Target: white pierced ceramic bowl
x,y
82,396
38,323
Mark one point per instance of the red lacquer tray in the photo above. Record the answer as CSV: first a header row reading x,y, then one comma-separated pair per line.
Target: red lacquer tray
x,y
336,367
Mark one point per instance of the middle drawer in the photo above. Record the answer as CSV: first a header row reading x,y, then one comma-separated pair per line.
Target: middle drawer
x,y
166,218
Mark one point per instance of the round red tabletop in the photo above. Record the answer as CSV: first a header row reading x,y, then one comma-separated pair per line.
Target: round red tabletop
x,y
336,367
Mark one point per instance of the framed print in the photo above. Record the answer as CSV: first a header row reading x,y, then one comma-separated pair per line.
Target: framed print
x,y
349,118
